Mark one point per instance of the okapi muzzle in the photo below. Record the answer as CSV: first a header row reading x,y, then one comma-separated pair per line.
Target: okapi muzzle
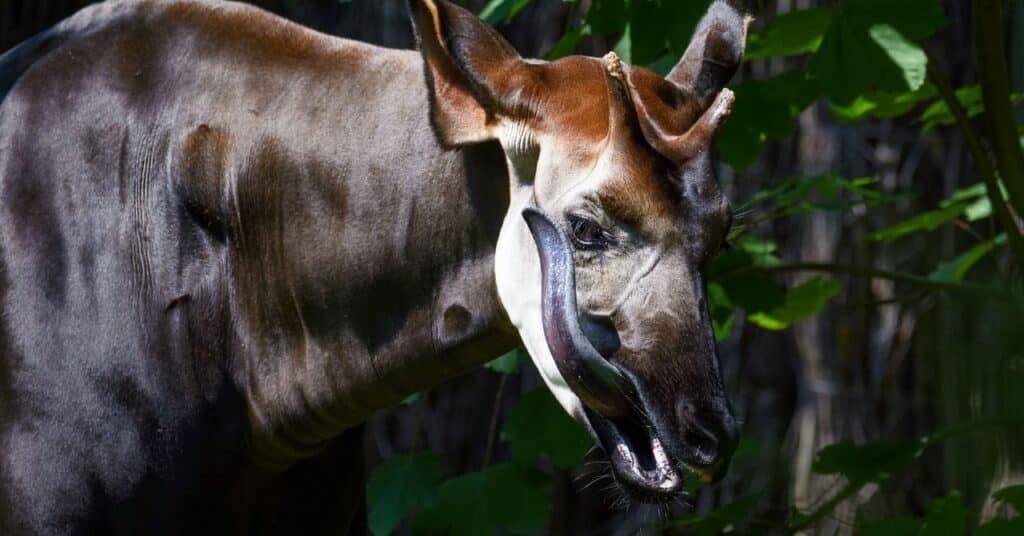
x,y
627,412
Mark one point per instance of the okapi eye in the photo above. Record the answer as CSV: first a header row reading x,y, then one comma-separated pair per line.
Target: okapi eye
x,y
587,234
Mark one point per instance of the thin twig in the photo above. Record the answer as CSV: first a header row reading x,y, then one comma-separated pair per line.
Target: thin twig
x,y
417,429
863,271
492,430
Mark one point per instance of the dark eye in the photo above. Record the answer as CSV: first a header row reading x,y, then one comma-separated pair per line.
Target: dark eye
x,y
588,235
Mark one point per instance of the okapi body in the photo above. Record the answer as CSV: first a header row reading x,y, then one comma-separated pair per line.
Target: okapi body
x,y
226,240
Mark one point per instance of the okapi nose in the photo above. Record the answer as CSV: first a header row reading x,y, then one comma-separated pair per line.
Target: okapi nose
x,y
711,437
601,333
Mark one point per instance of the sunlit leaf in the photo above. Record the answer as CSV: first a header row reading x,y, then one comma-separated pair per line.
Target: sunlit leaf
x,y
410,399
912,61
873,461
804,301
880,104
926,221
538,425
956,269
624,47
722,311
978,210
869,46
792,33
506,363
938,112
398,485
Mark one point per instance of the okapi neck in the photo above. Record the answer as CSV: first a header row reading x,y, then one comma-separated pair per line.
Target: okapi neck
x,y
346,311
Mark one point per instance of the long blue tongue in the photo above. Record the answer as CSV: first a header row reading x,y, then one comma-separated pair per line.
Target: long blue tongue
x,y
596,381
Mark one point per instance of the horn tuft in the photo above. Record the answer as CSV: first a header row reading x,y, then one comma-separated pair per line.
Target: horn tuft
x,y
613,64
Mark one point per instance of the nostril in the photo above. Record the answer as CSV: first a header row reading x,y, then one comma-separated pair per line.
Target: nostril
x,y
703,444
687,411
712,435
601,332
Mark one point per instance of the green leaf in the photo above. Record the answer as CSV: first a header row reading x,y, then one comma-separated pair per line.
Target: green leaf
x,y
804,301
821,192
538,425
722,311
764,109
501,11
955,270
873,461
869,47
506,363
607,16
503,496
664,64
946,516
410,399
938,112
896,526
926,221
912,61
398,485
1012,495
642,30
881,104
796,32
680,19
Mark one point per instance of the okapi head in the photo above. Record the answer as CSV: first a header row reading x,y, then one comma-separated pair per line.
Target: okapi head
x,y
615,216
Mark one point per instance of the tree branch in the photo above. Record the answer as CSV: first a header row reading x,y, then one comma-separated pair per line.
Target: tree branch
x,y
995,91
863,271
982,162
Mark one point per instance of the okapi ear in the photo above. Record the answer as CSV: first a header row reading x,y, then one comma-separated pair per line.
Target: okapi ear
x,y
475,77
714,53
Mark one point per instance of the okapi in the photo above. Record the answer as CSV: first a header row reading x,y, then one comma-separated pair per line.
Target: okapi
x,y
226,240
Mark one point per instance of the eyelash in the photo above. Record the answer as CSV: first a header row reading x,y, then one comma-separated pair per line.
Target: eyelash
x,y
588,235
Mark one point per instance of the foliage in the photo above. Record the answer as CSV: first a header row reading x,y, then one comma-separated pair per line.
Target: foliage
x,y
510,496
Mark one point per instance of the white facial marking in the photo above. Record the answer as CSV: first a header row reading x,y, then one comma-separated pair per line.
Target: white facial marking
x,y
517,263
518,277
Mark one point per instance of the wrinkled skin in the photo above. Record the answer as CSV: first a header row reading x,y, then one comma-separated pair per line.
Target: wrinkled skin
x,y
225,240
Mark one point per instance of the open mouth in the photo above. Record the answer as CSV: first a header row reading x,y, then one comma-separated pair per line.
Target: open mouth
x,y
638,458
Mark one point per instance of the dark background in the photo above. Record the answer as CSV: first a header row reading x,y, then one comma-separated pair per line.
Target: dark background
x,y
881,361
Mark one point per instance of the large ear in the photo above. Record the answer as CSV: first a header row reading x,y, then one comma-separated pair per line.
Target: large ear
x,y
475,78
714,53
